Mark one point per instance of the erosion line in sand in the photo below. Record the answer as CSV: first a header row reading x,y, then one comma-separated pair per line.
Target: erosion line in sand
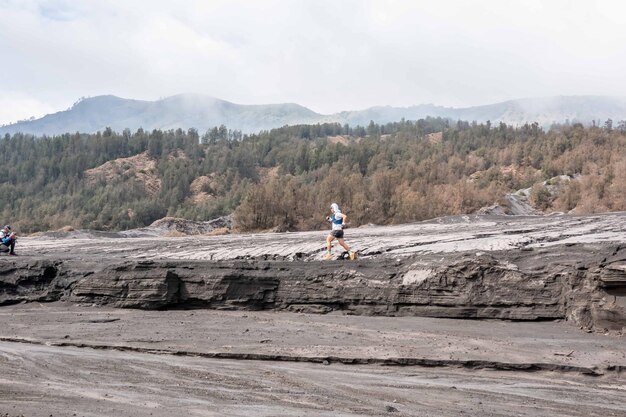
x,y
326,360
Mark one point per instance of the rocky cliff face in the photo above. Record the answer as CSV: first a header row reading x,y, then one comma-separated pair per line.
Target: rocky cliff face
x,y
569,275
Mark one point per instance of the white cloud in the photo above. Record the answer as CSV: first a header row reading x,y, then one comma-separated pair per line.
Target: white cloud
x,y
16,106
328,55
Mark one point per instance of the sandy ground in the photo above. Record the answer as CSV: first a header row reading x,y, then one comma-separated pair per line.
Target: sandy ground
x,y
63,360
66,360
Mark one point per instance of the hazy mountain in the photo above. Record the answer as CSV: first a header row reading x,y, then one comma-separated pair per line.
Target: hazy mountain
x,y
545,111
184,111
204,112
549,110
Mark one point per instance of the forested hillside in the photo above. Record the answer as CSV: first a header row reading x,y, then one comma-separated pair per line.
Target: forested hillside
x,y
285,179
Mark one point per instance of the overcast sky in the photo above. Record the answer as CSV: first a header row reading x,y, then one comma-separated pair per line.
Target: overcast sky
x,y
328,55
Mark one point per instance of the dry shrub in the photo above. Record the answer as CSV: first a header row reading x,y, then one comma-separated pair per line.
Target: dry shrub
x,y
174,233
219,231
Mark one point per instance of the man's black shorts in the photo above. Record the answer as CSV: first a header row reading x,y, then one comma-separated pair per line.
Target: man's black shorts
x,y
337,233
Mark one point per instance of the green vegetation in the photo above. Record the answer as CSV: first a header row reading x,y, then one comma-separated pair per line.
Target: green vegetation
x,y
286,178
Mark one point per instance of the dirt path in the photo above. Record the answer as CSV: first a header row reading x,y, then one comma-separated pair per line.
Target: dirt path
x,y
44,381
44,372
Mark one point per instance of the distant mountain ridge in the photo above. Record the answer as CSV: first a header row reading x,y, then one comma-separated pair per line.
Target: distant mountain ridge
x,y
204,112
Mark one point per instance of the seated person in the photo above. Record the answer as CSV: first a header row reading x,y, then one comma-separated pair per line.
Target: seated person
x,y
7,240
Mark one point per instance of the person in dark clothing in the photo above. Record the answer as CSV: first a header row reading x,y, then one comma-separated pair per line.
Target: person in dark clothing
x,y
7,240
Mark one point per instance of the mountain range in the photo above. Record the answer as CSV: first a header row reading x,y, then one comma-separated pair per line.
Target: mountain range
x,y
204,112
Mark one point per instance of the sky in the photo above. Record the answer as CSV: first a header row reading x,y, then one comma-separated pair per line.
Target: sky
x,y
328,55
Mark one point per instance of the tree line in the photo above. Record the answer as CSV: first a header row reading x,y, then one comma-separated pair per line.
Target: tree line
x,y
286,178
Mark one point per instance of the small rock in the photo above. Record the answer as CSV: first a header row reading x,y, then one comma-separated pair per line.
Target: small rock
x,y
391,409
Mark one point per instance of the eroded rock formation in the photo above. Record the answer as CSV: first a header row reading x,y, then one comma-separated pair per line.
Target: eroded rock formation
x,y
522,277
